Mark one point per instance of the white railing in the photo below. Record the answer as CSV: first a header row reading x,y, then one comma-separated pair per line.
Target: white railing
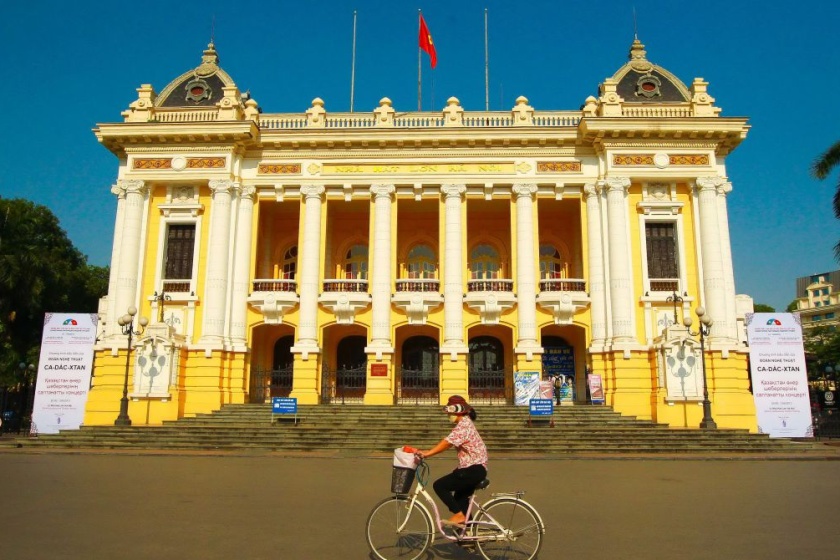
x,y
491,285
349,120
658,111
283,122
345,285
163,115
669,285
563,285
418,285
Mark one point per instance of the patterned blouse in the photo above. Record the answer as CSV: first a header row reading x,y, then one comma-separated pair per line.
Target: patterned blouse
x,y
471,448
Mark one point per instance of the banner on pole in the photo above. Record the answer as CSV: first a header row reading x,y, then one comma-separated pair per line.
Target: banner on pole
x,y
779,376
64,371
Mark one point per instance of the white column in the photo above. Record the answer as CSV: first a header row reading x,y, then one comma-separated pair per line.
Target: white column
x,y
242,266
309,257
453,283
726,255
112,314
526,291
621,279
714,278
125,289
597,291
381,278
216,275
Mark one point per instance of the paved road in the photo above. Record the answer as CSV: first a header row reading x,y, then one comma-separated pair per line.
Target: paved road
x,y
126,506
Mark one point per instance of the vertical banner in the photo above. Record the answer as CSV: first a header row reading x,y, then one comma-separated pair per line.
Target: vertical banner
x,y
64,371
779,376
596,390
526,386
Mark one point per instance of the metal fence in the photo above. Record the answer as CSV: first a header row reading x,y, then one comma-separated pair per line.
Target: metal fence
x,y
418,386
267,383
343,385
491,386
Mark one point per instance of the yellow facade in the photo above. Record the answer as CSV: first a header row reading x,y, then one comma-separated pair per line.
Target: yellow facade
x,y
400,259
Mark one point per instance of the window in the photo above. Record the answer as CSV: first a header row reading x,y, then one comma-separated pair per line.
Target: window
x,y
662,264
178,263
290,263
551,263
484,263
829,315
825,291
421,262
356,263
817,304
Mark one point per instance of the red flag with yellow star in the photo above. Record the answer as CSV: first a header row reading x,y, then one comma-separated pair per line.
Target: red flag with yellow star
x,y
426,42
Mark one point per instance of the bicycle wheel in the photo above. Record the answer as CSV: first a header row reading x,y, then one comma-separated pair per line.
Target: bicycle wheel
x,y
522,526
387,540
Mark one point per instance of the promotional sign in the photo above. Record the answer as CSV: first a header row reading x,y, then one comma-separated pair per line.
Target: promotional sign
x,y
541,407
64,371
596,390
559,360
526,386
283,405
779,377
546,389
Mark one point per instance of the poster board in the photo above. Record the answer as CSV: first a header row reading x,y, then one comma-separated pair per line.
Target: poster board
x,y
779,376
526,386
64,370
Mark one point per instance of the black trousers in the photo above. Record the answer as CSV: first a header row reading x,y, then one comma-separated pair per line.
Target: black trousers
x,y
455,489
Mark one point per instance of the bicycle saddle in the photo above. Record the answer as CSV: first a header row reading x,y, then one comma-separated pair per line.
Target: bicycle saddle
x,y
483,484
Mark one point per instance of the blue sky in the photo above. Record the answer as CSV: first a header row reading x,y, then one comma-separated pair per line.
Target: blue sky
x,y
69,66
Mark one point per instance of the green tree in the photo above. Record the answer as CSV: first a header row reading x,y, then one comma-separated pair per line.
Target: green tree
x,y
793,306
822,168
40,271
763,308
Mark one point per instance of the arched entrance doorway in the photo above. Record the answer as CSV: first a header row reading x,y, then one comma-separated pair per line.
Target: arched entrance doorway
x,y
282,367
486,378
348,381
419,371
558,361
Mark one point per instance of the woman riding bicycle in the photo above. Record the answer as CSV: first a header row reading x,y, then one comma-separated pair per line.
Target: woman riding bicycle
x,y
455,488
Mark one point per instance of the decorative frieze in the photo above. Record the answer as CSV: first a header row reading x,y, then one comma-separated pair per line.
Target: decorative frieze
x,y
178,163
558,167
659,160
278,168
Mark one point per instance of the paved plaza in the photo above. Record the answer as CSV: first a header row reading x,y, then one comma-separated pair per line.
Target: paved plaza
x,y
153,506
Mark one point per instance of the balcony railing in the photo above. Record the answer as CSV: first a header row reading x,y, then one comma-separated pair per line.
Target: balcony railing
x,y
418,285
275,285
563,285
356,286
495,285
669,285
177,286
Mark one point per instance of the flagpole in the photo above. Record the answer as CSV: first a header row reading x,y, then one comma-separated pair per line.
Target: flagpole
x,y
486,66
419,82
353,65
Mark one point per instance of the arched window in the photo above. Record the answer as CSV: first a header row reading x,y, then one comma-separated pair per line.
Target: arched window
x,y
421,262
486,354
484,263
283,357
551,263
356,263
420,353
290,263
350,353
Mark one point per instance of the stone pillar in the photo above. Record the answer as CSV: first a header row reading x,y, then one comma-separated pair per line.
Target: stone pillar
x,y
309,256
526,291
242,267
216,276
621,279
726,256
381,278
714,278
597,288
453,283
112,314
129,235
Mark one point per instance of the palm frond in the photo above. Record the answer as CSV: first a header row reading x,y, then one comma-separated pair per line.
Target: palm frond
x,y
823,165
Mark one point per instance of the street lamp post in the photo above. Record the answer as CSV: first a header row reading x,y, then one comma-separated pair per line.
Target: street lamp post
x,y
703,331
126,322
676,299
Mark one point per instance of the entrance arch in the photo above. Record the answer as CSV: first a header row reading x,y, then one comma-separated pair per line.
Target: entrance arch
x,y
282,367
419,371
486,377
348,381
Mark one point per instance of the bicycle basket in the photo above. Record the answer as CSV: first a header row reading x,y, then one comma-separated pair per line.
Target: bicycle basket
x,y
401,480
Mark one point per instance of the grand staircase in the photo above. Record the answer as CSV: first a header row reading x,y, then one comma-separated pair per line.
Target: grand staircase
x,y
355,430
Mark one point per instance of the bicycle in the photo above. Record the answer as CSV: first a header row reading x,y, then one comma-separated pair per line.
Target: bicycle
x,y
506,526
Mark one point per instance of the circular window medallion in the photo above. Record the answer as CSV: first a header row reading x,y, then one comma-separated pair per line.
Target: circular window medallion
x,y
179,163
661,160
648,86
197,91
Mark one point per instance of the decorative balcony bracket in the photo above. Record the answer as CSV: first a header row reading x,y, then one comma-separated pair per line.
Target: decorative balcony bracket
x,y
273,305
417,305
345,305
563,305
490,305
